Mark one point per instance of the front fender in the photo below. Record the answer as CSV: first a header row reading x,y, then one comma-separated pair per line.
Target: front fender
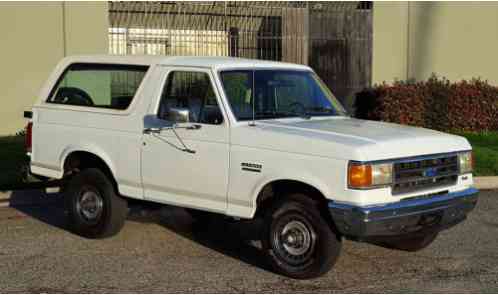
x,y
305,178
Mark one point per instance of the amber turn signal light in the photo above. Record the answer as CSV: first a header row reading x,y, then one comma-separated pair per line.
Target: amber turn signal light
x,y
359,176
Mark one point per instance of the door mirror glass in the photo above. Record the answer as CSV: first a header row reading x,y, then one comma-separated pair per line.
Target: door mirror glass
x,y
178,115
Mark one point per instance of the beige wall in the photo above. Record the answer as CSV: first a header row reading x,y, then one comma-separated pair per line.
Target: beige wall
x,y
34,37
458,40
389,54
86,28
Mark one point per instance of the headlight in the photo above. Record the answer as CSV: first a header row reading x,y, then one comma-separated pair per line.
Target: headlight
x,y
465,162
365,176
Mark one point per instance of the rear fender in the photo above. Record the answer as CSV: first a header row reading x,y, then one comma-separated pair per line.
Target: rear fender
x,y
89,148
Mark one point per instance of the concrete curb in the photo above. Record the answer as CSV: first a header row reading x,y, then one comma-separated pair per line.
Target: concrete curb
x,y
4,199
486,182
34,197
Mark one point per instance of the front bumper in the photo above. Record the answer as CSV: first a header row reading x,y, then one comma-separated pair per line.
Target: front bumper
x,y
434,213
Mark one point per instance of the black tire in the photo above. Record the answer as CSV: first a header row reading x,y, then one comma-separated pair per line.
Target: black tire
x,y
94,209
412,244
310,248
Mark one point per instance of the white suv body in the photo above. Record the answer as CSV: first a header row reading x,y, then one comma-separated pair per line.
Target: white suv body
x,y
224,164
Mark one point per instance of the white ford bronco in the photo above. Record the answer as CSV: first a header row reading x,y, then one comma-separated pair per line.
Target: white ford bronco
x,y
247,139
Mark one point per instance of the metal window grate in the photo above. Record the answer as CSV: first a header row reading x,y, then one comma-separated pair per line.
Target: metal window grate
x,y
334,38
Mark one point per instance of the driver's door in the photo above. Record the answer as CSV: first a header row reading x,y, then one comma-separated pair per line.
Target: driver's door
x,y
172,174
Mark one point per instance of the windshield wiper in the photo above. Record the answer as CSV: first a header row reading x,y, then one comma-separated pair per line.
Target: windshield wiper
x,y
320,109
283,114
302,115
325,111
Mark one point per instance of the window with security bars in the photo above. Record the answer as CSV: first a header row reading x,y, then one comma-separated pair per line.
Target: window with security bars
x,y
167,42
334,38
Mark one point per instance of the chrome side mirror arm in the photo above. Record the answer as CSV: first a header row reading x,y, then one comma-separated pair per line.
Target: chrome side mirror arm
x,y
157,130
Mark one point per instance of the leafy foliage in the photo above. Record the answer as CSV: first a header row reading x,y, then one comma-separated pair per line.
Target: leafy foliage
x,y
13,158
436,103
485,146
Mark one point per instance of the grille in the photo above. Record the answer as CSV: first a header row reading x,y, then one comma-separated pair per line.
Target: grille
x,y
415,175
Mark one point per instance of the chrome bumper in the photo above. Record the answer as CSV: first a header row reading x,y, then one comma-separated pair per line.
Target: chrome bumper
x,y
405,217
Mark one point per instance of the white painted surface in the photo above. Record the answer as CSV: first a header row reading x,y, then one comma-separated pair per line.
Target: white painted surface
x,y
315,151
170,175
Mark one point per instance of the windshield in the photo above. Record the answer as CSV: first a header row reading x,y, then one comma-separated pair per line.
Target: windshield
x,y
278,94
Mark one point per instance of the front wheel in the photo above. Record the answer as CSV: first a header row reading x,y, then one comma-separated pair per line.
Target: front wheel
x,y
94,209
297,241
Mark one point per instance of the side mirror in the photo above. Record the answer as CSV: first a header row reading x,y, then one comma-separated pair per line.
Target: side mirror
x,y
178,115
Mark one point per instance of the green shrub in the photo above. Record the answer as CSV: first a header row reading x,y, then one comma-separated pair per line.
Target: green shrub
x,y
401,103
485,146
436,103
13,158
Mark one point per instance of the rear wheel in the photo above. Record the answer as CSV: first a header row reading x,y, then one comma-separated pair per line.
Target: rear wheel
x,y
297,241
413,244
94,209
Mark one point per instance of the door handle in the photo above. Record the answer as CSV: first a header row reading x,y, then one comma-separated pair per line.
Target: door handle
x,y
152,130
193,127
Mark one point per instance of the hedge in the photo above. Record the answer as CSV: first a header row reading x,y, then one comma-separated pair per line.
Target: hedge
x,y
436,103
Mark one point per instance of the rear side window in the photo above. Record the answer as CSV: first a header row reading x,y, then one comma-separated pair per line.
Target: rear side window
x,y
98,85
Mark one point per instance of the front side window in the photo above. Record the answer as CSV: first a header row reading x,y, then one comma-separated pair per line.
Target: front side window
x,y
273,94
98,85
192,91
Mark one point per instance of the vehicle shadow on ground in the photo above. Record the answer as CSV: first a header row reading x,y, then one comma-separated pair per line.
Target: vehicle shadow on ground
x,y
236,239
47,208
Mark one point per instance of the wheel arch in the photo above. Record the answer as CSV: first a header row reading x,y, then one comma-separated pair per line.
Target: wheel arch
x,y
276,188
80,158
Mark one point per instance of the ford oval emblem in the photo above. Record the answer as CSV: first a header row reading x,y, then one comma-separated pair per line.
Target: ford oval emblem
x,y
431,172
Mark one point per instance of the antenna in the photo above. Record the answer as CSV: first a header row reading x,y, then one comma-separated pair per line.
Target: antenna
x,y
253,123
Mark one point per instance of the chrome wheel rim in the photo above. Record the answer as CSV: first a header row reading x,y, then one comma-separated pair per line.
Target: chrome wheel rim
x,y
295,242
296,238
90,206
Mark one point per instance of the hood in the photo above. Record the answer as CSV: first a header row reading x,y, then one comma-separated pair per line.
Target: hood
x,y
350,139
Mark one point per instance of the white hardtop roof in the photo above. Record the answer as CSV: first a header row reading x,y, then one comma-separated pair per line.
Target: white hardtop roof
x,y
216,63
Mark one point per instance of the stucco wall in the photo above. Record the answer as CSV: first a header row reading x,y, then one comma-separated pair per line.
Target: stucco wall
x,y
34,37
389,53
86,28
458,40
